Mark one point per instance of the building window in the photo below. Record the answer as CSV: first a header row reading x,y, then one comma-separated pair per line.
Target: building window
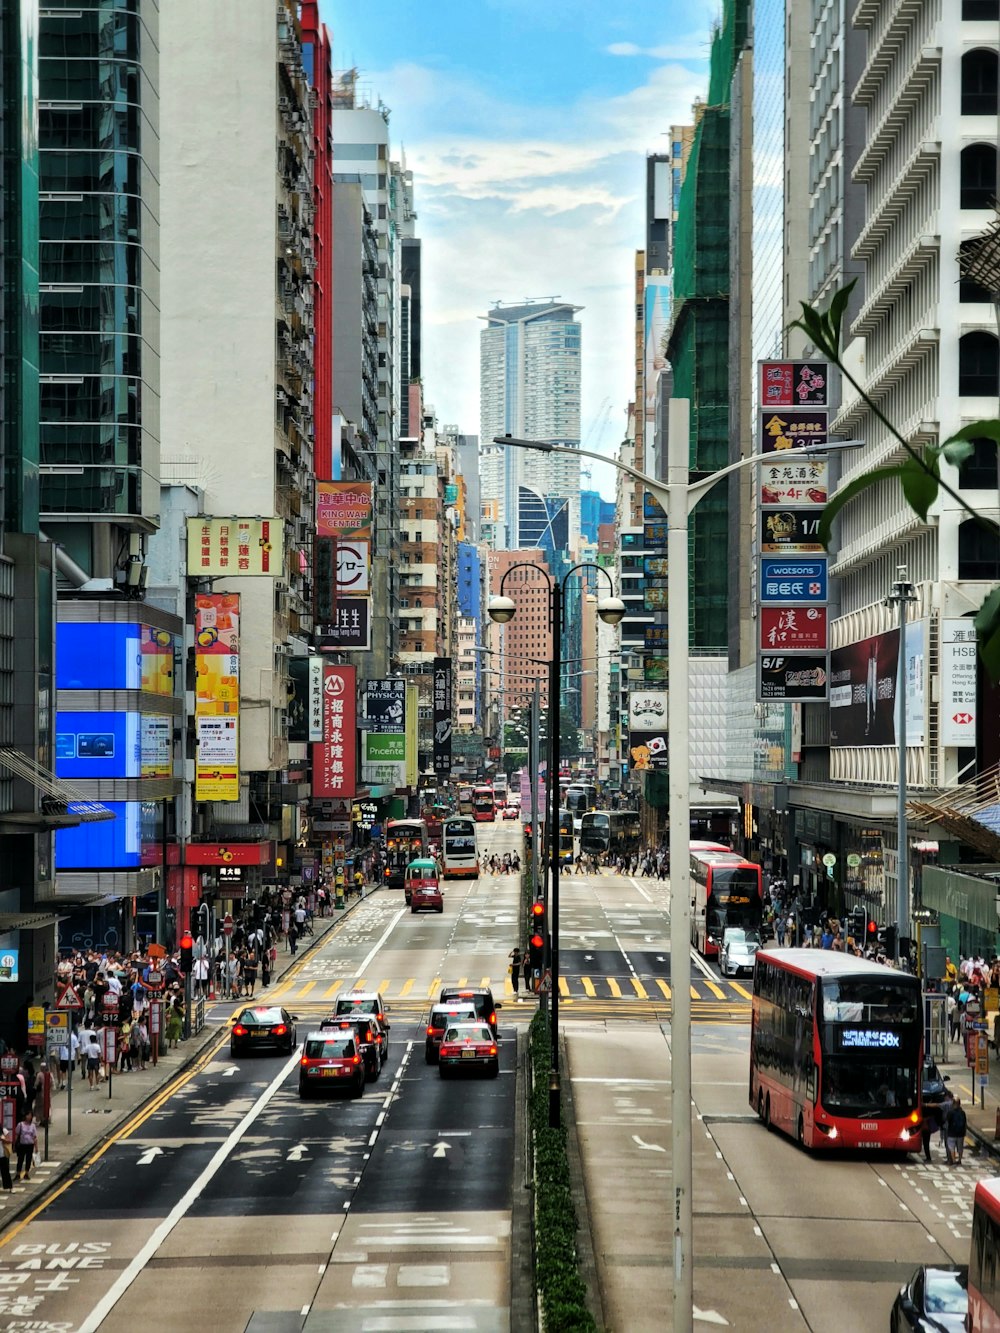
x,y
979,175
979,471
978,10
979,83
968,288
978,365
978,552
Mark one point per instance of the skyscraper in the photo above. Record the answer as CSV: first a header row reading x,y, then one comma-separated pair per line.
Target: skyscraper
x,y
529,372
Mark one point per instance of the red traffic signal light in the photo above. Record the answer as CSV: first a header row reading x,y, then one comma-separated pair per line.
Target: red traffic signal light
x,y
537,910
186,941
872,927
187,953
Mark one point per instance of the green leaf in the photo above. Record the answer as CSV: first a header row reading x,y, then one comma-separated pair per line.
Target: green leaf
x,y
988,615
920,484
847,493
956,451
989,653
812,325
835,314
980,430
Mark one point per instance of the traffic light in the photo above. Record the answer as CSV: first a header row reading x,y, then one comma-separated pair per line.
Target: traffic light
x,y
187,953
859,924
872,930
536,936
194,929
890,941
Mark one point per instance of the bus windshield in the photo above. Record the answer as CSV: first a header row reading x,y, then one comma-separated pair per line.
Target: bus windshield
x,y
734,887
864,1000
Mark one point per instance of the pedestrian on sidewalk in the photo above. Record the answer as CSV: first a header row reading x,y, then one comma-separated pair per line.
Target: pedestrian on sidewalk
x,y
92,1051
526,968
957,1124
6,1143
515,967
930,1127
25,1141
293,937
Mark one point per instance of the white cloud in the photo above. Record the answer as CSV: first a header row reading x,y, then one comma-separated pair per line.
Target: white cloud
x,y
531,202
690,48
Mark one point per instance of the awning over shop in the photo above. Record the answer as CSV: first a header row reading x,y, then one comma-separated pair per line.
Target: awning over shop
x,y
970,813
26,921
62,806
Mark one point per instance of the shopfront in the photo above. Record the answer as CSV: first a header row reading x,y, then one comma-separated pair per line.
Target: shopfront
x,y
965,899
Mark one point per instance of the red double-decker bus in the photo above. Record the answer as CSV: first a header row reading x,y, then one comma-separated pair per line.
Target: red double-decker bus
x,y
836,1050
483,805
984,1260
726,891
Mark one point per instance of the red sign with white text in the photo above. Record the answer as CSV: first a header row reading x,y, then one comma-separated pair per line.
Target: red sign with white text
x,y
790,628
335,757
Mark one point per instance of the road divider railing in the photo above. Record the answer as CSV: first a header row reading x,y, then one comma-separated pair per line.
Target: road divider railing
x,y
562,1292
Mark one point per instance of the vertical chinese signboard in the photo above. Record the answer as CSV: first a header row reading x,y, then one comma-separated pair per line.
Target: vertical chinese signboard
x,y
343,565
442,716
792,646
334,758
217,696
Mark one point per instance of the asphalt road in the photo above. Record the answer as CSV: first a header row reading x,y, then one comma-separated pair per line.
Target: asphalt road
x,y
235,1205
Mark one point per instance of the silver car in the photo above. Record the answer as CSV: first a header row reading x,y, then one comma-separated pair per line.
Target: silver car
x,y
737,952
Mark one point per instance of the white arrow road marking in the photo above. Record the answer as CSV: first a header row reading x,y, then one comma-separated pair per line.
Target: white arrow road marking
x,y
650,1147
440,1149
297,1153
228,1073
149,1155
709,1316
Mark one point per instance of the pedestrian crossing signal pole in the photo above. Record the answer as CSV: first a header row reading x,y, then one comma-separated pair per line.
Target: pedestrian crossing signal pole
x,y
187,962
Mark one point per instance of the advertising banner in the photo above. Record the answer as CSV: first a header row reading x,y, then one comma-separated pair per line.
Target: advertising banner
x,y
801,678
344,509
863,691
654,636
220,546
349,629
442,715
654,598
789,532
794,580
958,682
793,429
793,383
649,751
412,716
792,628
335,757
654,566
800,481
647,710
656,669
385,706
217,696
654,535
652,510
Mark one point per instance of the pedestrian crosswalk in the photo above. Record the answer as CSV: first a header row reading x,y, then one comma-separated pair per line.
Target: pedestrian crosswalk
x,y
416,991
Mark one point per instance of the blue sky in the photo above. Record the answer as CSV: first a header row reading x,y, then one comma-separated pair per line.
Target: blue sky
x,y
526,126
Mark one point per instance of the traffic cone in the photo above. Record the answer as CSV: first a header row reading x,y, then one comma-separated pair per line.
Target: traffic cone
x,y
211,986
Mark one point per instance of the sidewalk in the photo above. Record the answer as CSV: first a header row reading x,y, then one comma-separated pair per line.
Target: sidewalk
x,y
982,1120
96,1117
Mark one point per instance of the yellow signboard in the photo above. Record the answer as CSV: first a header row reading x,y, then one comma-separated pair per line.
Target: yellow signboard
x,y
220,546
217,696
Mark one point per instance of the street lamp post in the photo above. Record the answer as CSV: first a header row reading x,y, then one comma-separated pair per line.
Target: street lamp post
x,y
902,595
502,610
678,496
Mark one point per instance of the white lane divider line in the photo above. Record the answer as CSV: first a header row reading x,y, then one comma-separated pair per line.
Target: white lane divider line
x,y
363,968
180,1209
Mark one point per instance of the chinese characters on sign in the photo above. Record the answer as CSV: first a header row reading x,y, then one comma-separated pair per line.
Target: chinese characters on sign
x,y
220,546
799,482
792,628
793,581
789,531
780,430
799,677
442,715
334,758
350,628
217,696
958,682
793,383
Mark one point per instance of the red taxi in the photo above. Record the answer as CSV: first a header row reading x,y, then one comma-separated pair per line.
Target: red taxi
x,y
444,1016
330,1062
470,1046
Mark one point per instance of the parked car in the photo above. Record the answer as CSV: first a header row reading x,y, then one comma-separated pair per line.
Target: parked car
x,y
932,1087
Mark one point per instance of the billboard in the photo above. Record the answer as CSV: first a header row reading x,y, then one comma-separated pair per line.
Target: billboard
x,y
655,598
779,430
959,655
384,704
800,481
98,745
654,566
794,580
863,691
654,535
793,383
442,716
648,751
792,628
217,696
220,546
647,711
344,509
349,628
799,678
790,532
334,759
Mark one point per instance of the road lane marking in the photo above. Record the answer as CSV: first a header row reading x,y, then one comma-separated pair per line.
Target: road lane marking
x,y
383,986
588,987
664,988
740,991
407,987
717,991
180,1209
485,981
331,991
614,988
283,989
433,987
694,993
305,990
564,988
640,989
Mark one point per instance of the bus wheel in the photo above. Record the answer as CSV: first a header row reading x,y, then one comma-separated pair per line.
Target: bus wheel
x,y
760,1107
801,1134
767,1114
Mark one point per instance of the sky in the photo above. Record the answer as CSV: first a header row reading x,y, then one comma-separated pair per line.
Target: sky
x,y
526,126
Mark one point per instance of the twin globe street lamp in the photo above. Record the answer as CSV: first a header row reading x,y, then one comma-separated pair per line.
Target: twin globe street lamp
x,y
678,496
502,610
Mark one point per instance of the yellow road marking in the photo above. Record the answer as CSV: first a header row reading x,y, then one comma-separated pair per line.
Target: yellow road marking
x,y
694,993
740,991
283,989
485,981
383,986
614,988
433,987
305,990
463,981
508,986
588,986
331,991
407,987
717,991
664,988
564,987
640,989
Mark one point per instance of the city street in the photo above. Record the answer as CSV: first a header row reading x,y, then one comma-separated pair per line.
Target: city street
x,y
258,1211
